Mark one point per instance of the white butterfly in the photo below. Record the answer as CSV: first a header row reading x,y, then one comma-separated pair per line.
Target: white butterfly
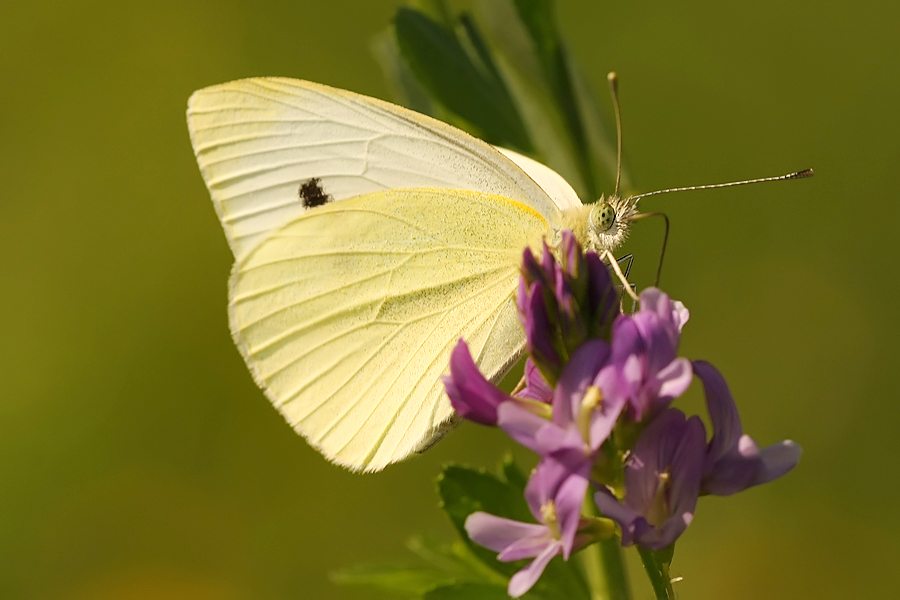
x,y
368,239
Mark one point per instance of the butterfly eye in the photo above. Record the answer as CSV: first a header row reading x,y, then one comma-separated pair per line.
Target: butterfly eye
x,y
603,217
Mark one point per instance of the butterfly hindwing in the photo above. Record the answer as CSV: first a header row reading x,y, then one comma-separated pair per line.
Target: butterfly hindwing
x,y
347,315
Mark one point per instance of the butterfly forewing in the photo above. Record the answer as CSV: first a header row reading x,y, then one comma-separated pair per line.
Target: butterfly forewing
x,y
257,141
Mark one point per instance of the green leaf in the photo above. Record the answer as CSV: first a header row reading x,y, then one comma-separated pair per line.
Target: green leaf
x,y
464,491
463,81
442,564
403,579
477,46
517,58
436,10
539,18
404,86
454,559
513,84
513,474
592,147
468,591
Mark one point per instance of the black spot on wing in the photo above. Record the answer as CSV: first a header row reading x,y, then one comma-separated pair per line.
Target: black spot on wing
x,y
312,194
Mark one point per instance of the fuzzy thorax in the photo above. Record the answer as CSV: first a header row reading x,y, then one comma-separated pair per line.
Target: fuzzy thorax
x,y
601,226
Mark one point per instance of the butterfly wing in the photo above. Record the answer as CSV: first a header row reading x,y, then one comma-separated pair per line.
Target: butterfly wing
x,y
347,315
553,184
258,140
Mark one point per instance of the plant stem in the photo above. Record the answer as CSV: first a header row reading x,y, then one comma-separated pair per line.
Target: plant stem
x,y
605,570
658,571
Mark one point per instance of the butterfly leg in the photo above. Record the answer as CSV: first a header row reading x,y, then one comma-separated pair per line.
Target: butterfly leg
x,y
633,302
630,258
626,286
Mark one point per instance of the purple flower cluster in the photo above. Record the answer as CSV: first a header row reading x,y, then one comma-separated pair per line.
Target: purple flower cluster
x,y
596,408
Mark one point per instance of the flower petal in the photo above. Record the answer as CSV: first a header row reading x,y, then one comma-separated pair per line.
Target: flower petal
x,y
578,374
538,330
680,315
734,471
749,466
549,266
723,413
527,547
544,483
471,395
625,516
536,386
498,533
656,301
554,439
626,339
611,384
631,373
777,460
657,538
674,379
523,581
651,456
522,425
531,272
569,501
602,296
687,469
606,415
662,482
734,461
660,340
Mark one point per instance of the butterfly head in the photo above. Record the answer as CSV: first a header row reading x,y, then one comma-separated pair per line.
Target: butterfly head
x,y
601,226
608,222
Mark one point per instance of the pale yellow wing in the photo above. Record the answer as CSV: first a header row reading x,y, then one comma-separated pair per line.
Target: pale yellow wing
x,y
347,315
258,140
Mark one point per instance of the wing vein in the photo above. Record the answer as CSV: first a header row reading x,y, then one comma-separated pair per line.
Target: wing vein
x,y
411,355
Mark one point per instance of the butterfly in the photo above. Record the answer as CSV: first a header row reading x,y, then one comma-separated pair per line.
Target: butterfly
x,y
368,239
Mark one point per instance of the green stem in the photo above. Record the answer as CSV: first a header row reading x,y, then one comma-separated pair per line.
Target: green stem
x,y
658,571
605,570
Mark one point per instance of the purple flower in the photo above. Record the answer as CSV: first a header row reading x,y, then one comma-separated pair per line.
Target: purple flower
x,y
536,387
671,312
662,482
541,338
563,305
598,414
471,395
475,398
645,367
582,417
555,498
733,460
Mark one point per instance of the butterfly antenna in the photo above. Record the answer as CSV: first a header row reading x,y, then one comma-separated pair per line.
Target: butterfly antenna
x,y
614,89
662,251
797,175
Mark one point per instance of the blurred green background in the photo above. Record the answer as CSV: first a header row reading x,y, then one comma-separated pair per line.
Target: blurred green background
x,y
139,460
